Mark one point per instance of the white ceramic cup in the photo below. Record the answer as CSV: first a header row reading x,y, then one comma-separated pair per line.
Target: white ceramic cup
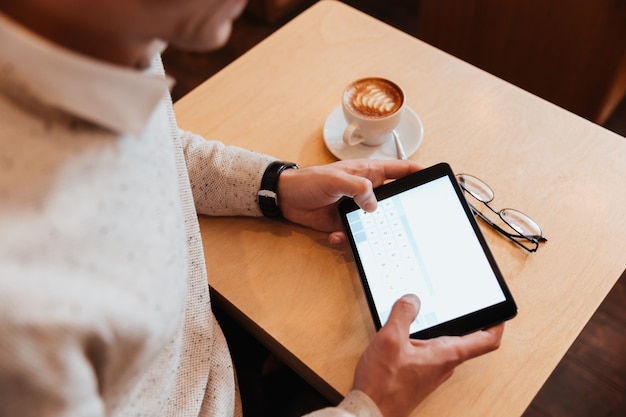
x,y
373,108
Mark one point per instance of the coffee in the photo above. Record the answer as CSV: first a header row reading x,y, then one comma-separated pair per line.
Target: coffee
x,y
374,98
373,107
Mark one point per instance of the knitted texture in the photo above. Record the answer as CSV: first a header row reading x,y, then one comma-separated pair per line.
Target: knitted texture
x,y
104,302
101,263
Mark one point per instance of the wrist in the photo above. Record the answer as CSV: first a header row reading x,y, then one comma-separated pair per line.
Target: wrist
x,y
268,199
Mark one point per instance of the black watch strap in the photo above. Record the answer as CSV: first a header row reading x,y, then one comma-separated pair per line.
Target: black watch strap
x,y
268,199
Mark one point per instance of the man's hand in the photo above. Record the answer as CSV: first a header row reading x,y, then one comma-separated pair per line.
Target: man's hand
x,y
398,373
309,196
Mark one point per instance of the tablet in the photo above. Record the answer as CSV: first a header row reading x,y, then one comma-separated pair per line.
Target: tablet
x,y
423,239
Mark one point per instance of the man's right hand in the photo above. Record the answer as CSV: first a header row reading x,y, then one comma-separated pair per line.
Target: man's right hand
x,y
398,373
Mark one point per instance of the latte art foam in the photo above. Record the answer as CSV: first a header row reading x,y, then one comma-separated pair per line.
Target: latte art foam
x,y
374,98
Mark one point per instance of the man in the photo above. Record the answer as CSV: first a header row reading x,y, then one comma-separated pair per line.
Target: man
x,y
104,304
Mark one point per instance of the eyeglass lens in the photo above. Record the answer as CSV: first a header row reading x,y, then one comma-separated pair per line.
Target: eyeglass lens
x,y
522,224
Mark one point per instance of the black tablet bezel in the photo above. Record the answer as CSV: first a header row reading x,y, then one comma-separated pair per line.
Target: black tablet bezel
x,y
469,323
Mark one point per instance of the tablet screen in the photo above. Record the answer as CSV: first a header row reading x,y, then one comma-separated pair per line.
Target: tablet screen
x,y
421,240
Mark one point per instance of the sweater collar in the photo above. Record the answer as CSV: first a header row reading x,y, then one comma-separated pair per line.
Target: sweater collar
x,y
111,96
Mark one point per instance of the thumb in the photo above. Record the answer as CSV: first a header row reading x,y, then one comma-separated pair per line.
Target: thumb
x,y
403,313
361,190
367,201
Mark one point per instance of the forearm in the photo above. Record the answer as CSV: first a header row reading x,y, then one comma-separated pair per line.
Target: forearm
x,y
225,180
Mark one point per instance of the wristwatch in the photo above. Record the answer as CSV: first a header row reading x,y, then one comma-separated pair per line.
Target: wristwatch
x,y
268,198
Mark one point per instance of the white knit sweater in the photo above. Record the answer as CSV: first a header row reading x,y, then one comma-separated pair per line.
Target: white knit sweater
x,y
104,302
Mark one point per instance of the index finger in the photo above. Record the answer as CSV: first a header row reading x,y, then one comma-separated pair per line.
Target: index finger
x,y
379,171
474,344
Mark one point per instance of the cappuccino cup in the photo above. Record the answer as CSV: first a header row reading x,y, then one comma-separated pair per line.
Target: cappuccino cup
x,y
373,108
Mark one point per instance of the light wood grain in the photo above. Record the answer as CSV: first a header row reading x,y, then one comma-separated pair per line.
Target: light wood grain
x,y
303,298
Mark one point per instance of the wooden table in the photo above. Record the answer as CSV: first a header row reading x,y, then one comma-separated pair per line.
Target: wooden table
x,y
303,297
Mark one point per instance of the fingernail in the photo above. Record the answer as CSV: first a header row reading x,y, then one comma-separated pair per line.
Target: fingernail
x,y
413,298
371,205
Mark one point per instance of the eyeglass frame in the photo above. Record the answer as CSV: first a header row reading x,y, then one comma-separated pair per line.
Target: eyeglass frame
x,y
512,237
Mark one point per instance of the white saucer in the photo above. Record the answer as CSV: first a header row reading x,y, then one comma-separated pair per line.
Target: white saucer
x,y
410,131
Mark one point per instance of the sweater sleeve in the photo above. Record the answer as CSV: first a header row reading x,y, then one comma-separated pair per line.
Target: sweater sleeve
x,y
224,179
356,404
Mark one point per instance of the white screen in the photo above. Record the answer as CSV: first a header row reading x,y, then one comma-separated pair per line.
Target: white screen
x,y
421,242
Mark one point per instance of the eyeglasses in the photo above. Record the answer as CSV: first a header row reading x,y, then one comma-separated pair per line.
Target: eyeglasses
x,y
527,233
